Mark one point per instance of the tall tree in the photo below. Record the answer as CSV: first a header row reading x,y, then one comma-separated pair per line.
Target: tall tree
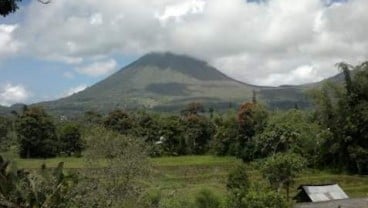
x,y
281,169
119,121
344,111
70,139
193,108
251,119
4,128
123,164
199,131
36,134
292,131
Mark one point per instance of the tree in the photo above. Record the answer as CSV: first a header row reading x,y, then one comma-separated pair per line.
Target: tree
x,y
243,193
290,131
36,134
146,127
198,133
92,118
123,162
70,139
252,118
4,130
238,185
193,108
4,127
225,140
10,6
281,169
343,110
263,199
172,135
118,121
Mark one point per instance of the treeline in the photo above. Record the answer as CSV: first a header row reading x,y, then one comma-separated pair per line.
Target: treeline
x,y
35,134
116,146
333,135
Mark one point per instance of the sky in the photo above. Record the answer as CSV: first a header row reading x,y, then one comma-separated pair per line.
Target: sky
x,y
54,50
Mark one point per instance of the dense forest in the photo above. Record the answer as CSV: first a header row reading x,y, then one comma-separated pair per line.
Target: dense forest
x,y
332,136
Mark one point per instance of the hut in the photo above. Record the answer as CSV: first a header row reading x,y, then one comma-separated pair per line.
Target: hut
x,y
320,193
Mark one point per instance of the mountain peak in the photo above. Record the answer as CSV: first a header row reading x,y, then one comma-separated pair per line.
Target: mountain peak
x,y
168,60
193,67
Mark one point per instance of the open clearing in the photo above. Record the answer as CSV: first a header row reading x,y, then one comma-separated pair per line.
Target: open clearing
x,y
174,176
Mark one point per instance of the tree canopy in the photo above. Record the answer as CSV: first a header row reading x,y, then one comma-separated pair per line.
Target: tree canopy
x,y
10,6
343,110
36,134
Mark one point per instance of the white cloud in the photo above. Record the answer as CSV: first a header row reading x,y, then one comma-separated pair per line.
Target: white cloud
x,y
98,68
249,41
180,10
300,75
74,90
8,45
11,94
96,19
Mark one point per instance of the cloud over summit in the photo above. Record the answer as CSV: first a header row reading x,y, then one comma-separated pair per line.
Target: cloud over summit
x,y
271,42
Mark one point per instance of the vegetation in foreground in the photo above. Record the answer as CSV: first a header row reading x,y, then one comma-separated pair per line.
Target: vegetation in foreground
x,y
275,149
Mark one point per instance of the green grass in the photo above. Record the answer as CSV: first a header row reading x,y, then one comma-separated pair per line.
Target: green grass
x,y
185,176
193,161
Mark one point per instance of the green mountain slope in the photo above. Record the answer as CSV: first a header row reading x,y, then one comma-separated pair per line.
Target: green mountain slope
x,y
167,82
160,81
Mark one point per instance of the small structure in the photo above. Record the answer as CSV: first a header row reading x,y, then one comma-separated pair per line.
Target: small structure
x,y
342,203
320,193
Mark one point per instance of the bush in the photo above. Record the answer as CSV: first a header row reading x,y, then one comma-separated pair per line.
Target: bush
x,y
207,199
263,199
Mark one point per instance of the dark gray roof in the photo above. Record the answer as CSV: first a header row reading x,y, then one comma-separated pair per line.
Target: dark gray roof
x,y
319,193
343,203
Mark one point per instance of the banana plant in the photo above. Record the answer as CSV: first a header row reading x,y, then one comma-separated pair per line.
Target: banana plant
x,y
45,188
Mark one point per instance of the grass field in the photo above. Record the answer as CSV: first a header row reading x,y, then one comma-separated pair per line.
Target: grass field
x,y
185,176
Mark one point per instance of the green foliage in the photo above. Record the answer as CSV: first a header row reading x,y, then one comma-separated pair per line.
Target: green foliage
x,y
36,133
8,6
238,185
172,133
252,119
344,112
152,199
91,118
193,108
123,161
118,121
146,127
281,170
199,131
70,139
263,199
291,131
42,189
207,199
225,140
5,129
238,179
176,203
243,193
